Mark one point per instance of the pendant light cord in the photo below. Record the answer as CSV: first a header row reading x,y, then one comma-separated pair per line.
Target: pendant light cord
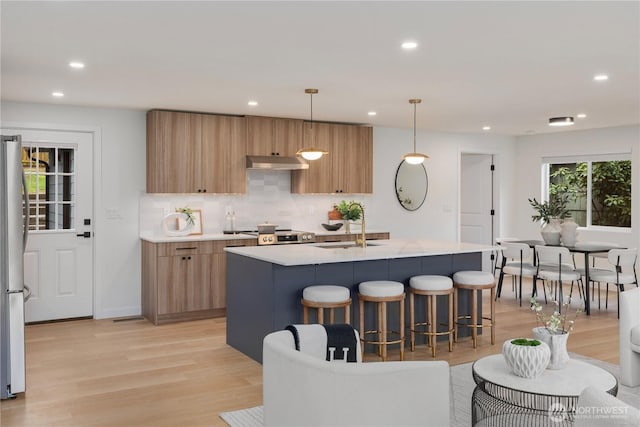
x,y
414,128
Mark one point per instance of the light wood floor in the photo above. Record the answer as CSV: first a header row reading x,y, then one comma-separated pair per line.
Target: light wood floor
x,y
131,373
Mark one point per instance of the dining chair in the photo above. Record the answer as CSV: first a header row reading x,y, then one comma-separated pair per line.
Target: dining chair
x,y
554,264
519,267
498,256
594,256
624,273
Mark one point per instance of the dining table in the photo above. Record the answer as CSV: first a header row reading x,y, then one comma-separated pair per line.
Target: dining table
x,y
580,248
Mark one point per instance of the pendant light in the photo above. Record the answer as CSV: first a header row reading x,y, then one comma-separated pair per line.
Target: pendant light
x,y
414,158
311,153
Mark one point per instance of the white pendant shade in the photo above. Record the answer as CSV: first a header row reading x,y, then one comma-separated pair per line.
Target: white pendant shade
x,y
415,158
311,153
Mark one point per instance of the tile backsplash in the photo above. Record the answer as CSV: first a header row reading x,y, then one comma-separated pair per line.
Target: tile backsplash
x,y
268,198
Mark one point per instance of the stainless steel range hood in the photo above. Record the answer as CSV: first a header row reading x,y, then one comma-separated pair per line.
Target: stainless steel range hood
x,y
276,163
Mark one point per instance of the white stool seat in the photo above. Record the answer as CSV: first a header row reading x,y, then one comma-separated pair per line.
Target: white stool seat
x,y
431,283
326,293
381,288
473,278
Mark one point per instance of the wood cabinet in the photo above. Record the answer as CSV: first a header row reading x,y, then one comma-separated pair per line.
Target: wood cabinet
x,y
195,153
271,136
348,168
185,281
350,237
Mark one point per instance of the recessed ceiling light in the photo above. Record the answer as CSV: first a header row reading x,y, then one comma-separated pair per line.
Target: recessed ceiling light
x,y
486,128
252,103
561,121
57,94
372,113
76,65
600,77
409,45
581,115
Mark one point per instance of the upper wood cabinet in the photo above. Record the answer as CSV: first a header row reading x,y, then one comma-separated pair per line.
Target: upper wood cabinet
x,y
271,136
195,153
348,168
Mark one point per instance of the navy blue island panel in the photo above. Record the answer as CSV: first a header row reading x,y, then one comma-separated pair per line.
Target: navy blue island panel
x,y
263,297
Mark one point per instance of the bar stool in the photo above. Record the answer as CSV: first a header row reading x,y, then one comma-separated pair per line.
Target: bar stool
x,y
430,286
474,281
326,296
381,292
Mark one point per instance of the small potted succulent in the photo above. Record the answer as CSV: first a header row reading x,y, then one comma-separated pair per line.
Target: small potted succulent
x,y
526,358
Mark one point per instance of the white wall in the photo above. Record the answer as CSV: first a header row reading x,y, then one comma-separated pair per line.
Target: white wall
x,y
529,151
123,209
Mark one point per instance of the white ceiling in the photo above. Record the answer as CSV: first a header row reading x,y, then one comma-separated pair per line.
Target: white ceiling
x,y
510,65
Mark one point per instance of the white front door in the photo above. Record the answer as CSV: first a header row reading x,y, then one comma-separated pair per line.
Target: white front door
x,y
58,260
476,221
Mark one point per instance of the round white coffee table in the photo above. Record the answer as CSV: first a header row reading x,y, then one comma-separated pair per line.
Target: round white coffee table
x,y
502,398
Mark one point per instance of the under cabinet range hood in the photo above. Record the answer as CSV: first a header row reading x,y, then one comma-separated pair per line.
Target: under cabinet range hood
x,y
276,163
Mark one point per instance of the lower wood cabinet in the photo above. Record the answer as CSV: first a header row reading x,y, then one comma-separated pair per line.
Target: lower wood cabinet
x,y
350,237
186,280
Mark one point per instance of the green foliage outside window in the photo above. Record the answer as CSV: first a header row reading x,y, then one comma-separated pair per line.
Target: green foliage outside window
x,y
610,191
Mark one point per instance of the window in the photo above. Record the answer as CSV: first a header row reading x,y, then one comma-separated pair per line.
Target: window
x,y
598,189
49,172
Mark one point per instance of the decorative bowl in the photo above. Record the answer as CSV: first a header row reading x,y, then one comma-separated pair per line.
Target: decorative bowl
x,y
332,227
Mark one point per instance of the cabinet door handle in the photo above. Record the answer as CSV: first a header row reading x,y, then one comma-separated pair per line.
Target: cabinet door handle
x,y
186,249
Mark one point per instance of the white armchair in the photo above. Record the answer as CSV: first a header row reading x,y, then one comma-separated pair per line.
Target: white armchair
x,y
302,390
630,337
597,408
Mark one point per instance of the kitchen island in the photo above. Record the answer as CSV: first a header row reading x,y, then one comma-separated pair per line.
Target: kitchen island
x,y
264,284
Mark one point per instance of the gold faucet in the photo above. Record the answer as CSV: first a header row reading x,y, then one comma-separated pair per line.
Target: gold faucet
x,y
362,241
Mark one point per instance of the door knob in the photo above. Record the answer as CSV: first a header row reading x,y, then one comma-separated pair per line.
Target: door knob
x,y
86,234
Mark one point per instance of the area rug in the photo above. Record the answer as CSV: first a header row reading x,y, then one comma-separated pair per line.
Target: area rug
x,y
462,386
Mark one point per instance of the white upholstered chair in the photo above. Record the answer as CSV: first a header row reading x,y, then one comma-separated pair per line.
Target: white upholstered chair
x,y
597,408
303,390
556,265
519,267
624,272
630,337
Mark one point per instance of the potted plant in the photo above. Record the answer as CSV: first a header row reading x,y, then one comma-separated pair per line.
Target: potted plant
x,y
526,358
350,211
550,212
554,330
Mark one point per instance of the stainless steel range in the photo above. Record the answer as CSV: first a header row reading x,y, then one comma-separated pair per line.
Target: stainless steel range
x,y
282,237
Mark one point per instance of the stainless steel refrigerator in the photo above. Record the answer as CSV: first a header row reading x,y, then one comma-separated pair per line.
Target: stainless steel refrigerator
x,y
14,225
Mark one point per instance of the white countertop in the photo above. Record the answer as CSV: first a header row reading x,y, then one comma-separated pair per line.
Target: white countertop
x,y
311,253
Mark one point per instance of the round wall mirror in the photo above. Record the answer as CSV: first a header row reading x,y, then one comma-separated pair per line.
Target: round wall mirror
x,y
411,185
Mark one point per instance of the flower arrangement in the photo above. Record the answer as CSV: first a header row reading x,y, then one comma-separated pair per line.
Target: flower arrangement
x,y
555,207
556,323
189,213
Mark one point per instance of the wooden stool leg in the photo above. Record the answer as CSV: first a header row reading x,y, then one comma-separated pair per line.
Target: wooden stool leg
x,y
305,314
331,316
450,324
379,328
362,329
455,314
320,315
412,321
402,329
384,331
347,314
474,317
493,317
433,326
427,318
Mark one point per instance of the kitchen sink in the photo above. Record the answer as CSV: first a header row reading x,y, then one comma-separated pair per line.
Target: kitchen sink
x,y
342,245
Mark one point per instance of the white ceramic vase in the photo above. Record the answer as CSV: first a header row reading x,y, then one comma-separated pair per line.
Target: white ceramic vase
x,y
569,232
550,232
170,224
526,361
557,344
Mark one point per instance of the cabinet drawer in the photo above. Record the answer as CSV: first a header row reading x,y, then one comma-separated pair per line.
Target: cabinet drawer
x,y
185,248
